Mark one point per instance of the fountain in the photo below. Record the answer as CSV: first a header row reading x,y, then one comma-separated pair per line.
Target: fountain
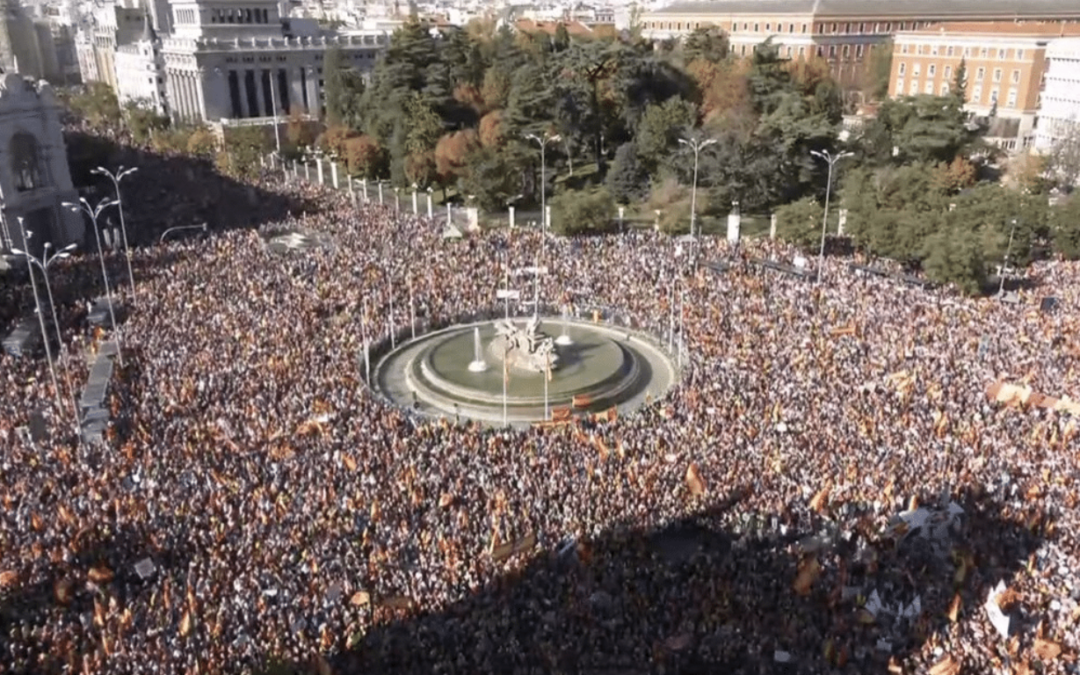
x,y
510,371
478,364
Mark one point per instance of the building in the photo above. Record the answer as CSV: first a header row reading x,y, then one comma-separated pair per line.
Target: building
x,y
19,49
34,177
846,32
1004,62
1059,116
111,26
140,71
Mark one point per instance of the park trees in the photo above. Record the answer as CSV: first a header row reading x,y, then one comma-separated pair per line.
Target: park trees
x,y
343,89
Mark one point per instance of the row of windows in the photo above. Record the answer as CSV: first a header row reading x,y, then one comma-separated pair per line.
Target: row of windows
x,y
980,73
832,51
185,16
847,28
966,52
240,15
976,96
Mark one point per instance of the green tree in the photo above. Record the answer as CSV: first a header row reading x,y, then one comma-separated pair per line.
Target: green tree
x,y
1065,231
343,89
562,38
953,257
921,128
491,177
660,129
628,180
800,223
582,211
98,105
587,67
707,43
958,89
241,151
878,72
143,120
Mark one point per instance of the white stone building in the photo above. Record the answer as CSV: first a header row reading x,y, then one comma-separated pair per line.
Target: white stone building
x,y
140,71
34,176
231,59
1059,112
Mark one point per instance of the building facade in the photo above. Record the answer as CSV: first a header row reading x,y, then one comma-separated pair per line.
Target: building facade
x,y
845,32
140,71
1059,118
1004,64
34,176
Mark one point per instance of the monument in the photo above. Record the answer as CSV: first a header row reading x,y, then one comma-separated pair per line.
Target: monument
x,y
510,371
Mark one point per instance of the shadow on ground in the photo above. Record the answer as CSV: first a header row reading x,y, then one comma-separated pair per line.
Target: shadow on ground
x,y
694,597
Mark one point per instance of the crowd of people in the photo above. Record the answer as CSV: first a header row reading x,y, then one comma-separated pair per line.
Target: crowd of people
x,y
254,501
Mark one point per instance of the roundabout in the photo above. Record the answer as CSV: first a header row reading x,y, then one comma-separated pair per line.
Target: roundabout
x,y
513,372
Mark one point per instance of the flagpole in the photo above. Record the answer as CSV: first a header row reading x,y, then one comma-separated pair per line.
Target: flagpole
x,y
547,378
506,379
363,334
390,318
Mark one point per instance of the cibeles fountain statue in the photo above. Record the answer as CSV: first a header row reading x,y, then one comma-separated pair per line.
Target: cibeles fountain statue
x,y
525,348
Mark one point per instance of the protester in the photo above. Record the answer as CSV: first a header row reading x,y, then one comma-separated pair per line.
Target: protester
x,y
279,501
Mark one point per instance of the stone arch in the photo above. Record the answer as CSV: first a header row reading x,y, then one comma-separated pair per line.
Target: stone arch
x,y
26,162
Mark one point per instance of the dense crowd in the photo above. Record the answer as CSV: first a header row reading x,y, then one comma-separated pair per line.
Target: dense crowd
x,y
740,524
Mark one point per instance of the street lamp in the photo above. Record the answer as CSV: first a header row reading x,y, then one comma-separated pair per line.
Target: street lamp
x,y
1005,262
43,264
94,212
116,178
697,145
542,141
831,160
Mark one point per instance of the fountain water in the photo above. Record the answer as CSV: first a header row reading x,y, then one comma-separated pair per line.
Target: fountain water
x,y
478,364
565,338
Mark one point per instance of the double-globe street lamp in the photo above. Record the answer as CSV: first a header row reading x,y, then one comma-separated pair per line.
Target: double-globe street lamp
x,y
543,141
43,264
697,145
120,174
831,160
94,212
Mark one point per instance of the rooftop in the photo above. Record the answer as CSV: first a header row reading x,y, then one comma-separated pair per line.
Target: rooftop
x,y
916,9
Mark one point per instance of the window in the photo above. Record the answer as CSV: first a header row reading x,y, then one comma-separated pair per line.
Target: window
x,y
757,27
877,27
820,51
832,51
888,27
742,50
944,88
804,28
791,28
1015,79
931,70
1019,54
847,28
859,51
25,162
802,51
997,74
914,87
833,28
948,51
789,52
948,72
746,27
903,49
847,51
902,25
862,27
916,70
976,94
984,51
899,86
933,50
768,28
980,74
1011,102
1002,53
929,86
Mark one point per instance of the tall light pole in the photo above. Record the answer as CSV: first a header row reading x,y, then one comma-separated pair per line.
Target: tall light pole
x,y
1005,262
273,111
697,145
542,141
94,212
41,316
831,160
120,174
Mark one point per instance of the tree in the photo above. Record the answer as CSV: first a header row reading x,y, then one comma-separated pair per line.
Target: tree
x,y
562,38
343,89
363,156
143,120
582,211
451,152
878,71
98,105
334,138
958,89
721,92
921,128
298,131
706,43
1066,227
800,222
491,178
660,129
241,151
953,257
496,87
628,179
491,129
202,142
586,67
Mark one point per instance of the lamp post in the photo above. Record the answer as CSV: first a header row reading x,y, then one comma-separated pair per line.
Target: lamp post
x,y
430,203
415,207
697,145
1005,262
397,199
831,160
94,212
542,141
120,174
37,304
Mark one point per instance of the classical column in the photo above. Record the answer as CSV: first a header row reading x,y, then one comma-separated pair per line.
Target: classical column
x,y
296,89
314,107
200,98
241,81
260,94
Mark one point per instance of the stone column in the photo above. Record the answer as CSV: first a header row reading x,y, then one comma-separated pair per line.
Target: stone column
x,y
363,183
334,175
415,207
841,222
200,98
319,170
296,89
511,210
314,108
260,93
430,206
241,81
